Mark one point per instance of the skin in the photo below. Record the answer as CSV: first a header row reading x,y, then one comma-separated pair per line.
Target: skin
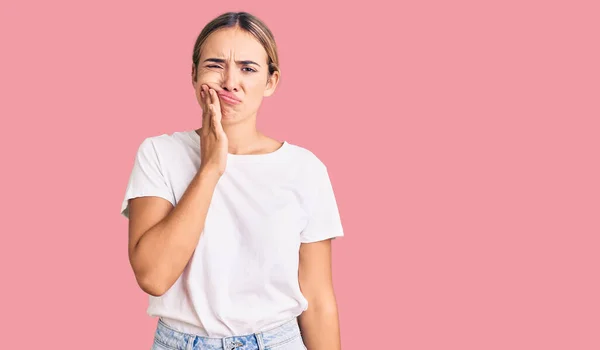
x,y
162,238
249,82
319,324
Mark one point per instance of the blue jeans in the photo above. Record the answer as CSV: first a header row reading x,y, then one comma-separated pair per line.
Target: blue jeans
x,y
284,337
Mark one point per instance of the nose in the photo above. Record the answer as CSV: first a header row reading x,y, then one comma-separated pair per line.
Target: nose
x,y
230,79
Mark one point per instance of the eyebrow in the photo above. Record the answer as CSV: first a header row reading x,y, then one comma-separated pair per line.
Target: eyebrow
x,y
220,60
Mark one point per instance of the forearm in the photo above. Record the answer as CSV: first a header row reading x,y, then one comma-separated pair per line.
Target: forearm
x,y
162,253
319,325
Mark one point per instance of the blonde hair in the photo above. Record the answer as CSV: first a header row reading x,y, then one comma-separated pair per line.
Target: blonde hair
x,y
250,24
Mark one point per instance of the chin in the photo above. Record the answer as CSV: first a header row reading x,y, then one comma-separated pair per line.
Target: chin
x,y
228,117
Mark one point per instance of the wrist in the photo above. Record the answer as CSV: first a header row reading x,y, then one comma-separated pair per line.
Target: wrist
x,y
209,172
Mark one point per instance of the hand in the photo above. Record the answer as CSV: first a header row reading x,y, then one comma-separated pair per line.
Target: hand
x,y
213,140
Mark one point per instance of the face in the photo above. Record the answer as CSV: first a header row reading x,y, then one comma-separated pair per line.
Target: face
x,y
234,63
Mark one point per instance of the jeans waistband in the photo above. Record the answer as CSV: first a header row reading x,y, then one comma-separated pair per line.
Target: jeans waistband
x,y
172,338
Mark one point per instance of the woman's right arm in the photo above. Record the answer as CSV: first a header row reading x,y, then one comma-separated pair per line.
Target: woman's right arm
x,y
162,238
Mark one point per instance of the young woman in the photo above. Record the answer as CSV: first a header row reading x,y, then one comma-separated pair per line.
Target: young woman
x,y
230,230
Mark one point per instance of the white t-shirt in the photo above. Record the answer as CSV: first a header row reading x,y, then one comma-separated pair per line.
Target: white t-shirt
x,y
243,275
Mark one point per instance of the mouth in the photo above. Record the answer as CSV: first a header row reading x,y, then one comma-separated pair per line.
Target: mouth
x,y
228,98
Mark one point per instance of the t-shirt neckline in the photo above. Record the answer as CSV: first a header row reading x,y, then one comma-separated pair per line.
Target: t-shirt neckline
x,y
246,157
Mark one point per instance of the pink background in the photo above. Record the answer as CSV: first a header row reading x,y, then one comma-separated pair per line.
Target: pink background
x,y
462,140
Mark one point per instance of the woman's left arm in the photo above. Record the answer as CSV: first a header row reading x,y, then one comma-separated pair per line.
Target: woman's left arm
x,y
319,324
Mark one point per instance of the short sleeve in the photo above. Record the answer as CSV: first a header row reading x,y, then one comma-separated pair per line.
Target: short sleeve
x,y
323,215
146,178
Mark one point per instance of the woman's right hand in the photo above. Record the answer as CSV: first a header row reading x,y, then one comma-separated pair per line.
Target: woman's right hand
x,y
213,140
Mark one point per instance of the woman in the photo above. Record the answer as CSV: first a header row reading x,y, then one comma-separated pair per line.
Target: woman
x,y
230,230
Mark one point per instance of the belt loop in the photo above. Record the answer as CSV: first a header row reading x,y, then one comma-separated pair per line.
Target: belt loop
x,y
259,340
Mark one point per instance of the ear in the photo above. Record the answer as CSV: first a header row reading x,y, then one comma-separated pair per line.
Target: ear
x,y
194,77
272,84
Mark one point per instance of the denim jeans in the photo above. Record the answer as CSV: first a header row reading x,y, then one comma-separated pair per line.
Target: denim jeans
x,y
284,337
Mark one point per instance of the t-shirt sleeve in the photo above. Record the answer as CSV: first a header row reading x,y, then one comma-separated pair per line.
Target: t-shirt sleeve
x,y
323,215
146,178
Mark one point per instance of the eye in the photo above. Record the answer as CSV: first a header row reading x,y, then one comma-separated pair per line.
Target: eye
x,y
249,69
213,66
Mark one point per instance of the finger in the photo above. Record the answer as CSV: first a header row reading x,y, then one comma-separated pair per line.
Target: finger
x,y
215,100
201,96
206,114
216,119
213,96
207,98
216,103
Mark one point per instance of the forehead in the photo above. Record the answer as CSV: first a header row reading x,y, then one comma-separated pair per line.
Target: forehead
x,y
235,42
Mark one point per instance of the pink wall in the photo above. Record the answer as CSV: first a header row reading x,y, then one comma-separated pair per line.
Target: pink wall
x,y
462,140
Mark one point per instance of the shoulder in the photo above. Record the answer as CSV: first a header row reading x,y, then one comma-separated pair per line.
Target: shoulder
x,y
304,155
165,143
305,158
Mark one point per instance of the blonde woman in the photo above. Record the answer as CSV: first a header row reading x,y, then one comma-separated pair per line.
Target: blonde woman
x,y
230,230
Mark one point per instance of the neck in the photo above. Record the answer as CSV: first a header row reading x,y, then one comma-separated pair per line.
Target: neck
x,y
242,137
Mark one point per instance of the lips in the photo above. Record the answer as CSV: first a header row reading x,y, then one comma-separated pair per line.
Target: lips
x,y
228,97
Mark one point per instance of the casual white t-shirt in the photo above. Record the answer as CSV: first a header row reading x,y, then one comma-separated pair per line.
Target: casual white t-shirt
x,y
243,275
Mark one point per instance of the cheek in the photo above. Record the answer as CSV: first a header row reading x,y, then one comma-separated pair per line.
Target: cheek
x,y
208,77
255,88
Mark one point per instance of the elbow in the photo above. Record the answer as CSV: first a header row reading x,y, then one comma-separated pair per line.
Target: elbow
x,y
149,280
323,304
328,308
152,286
